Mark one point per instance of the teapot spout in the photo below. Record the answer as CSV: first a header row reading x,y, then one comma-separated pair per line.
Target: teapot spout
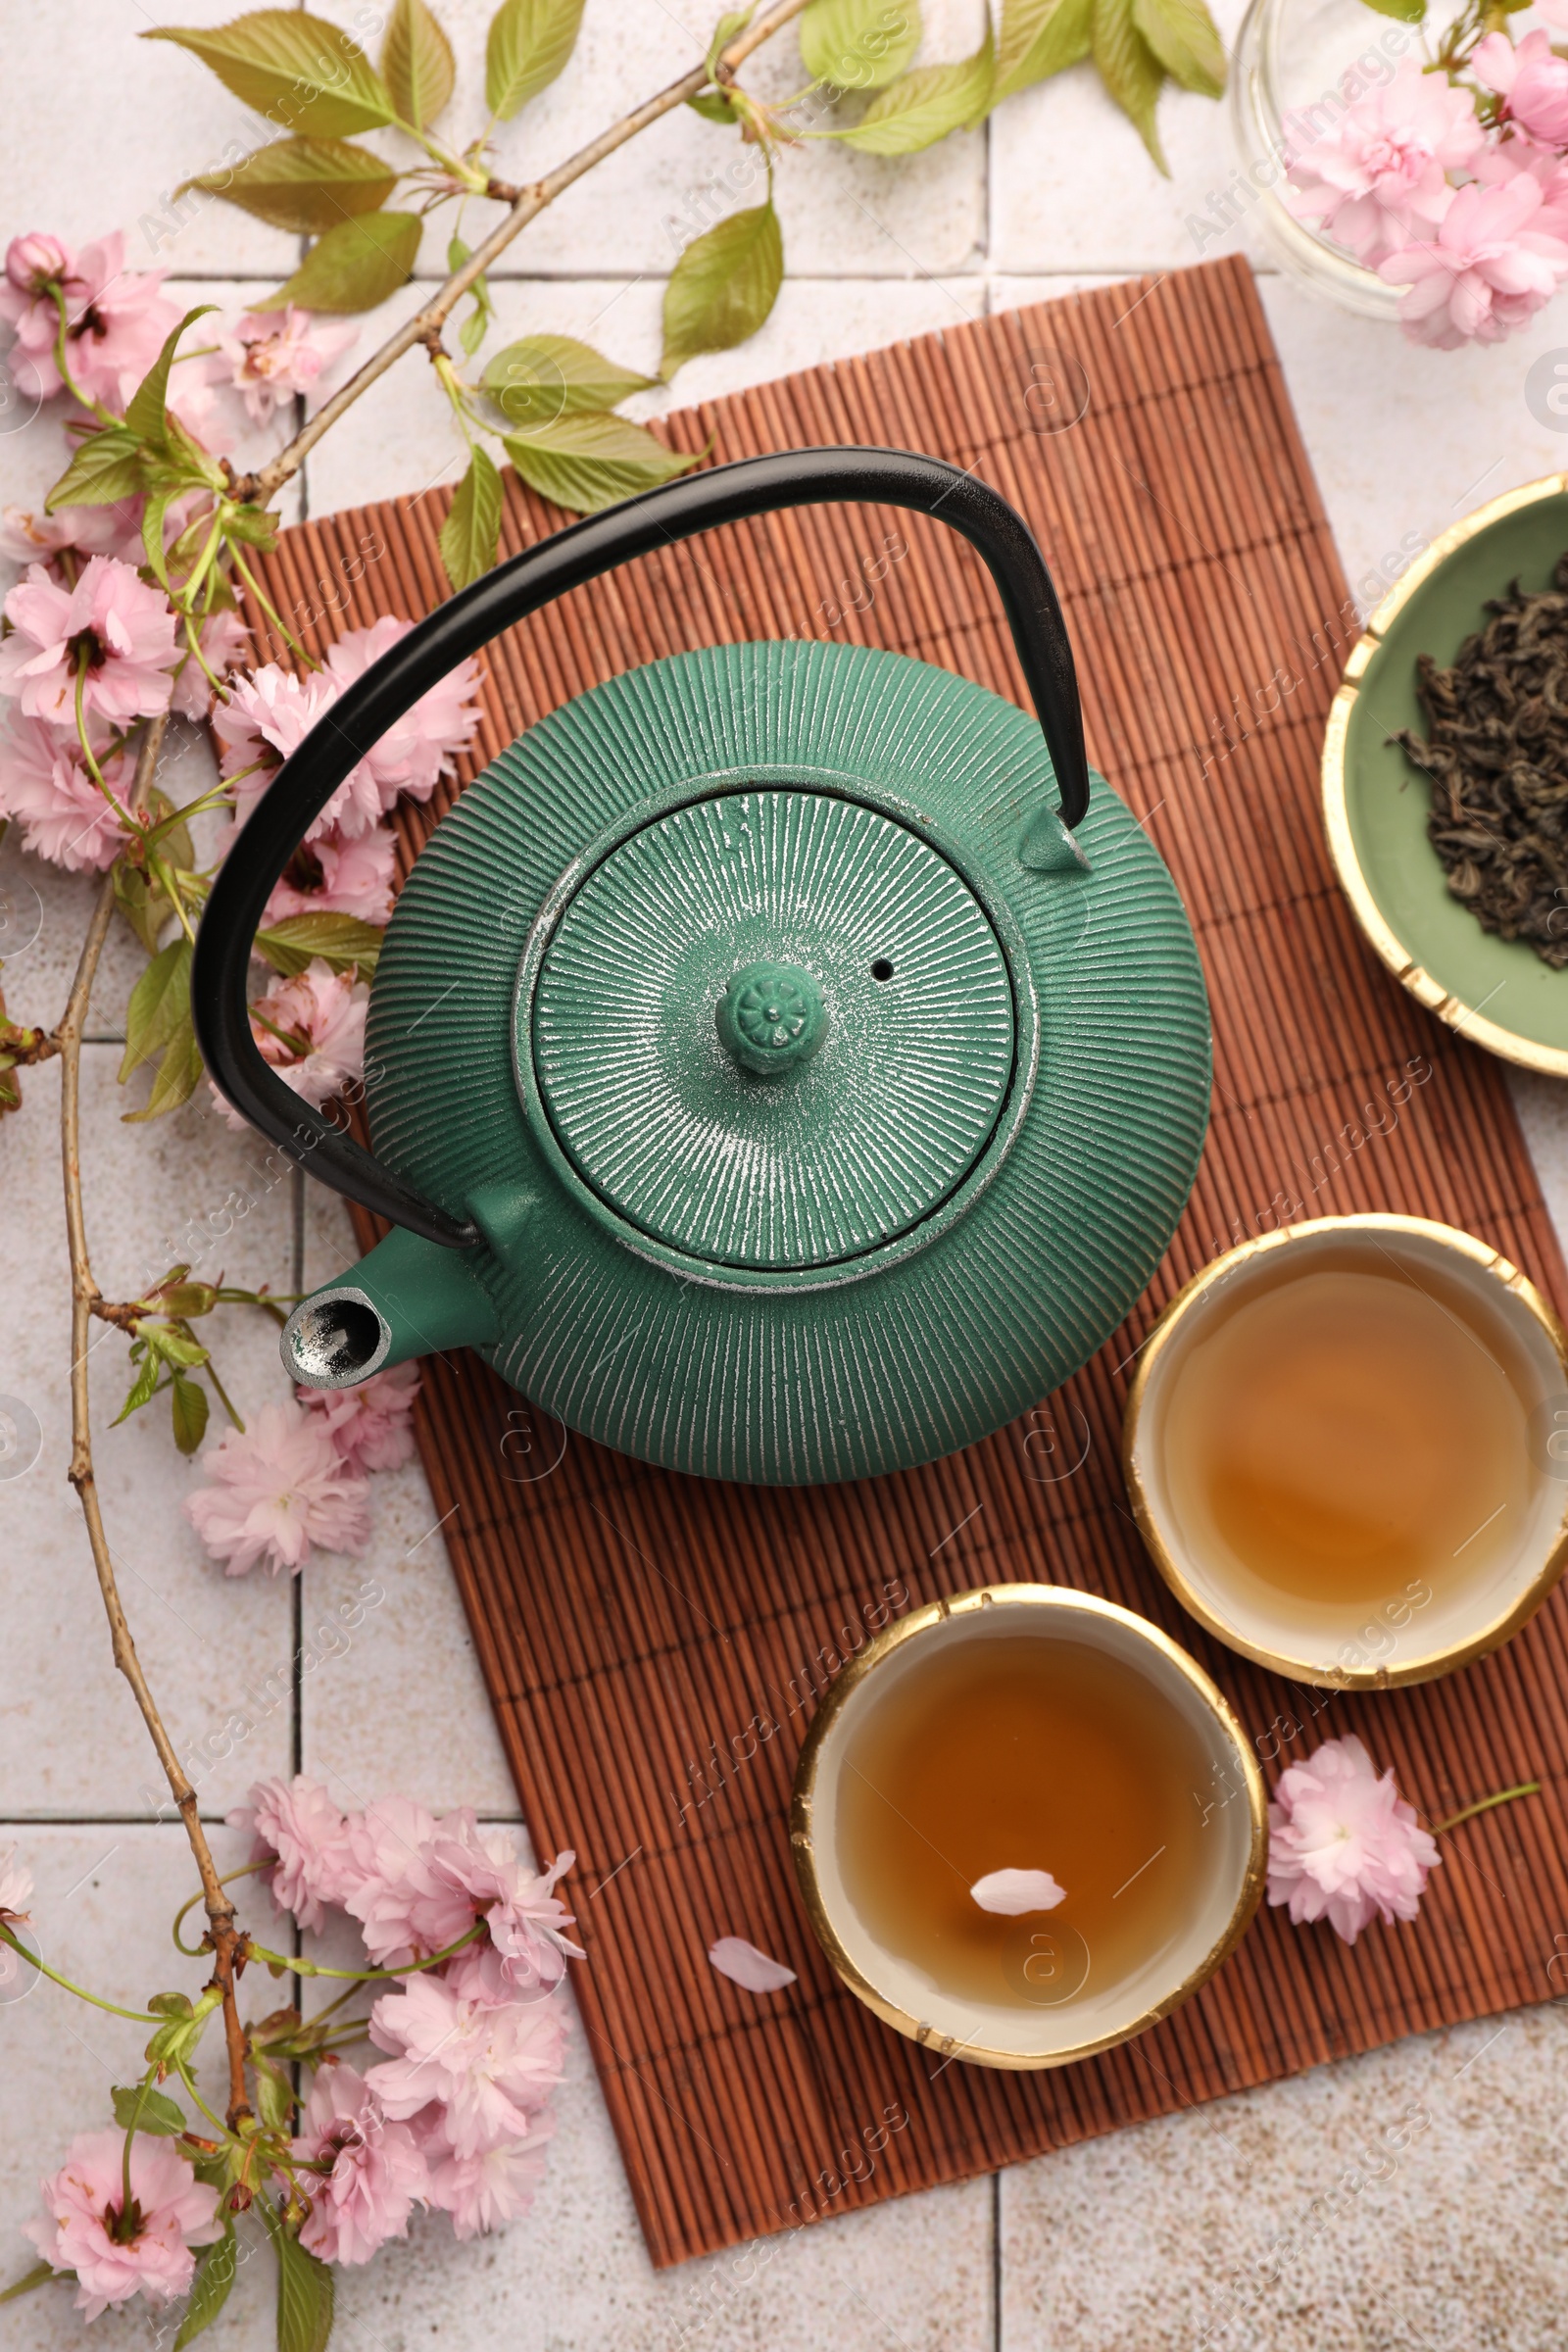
x,y
409,1297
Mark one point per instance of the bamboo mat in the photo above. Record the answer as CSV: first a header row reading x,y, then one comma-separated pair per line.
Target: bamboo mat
x,y
654,1646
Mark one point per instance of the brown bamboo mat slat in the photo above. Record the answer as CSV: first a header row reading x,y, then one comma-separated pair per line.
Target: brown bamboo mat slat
x,y
633,1625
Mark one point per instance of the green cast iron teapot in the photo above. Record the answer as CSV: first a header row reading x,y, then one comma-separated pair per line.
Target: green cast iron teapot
x,y
766,1074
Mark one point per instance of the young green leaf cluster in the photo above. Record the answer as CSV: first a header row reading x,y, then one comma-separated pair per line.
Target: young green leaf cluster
x,y
869,46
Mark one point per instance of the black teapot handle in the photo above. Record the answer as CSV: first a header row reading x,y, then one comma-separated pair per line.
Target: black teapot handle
x,y
695,501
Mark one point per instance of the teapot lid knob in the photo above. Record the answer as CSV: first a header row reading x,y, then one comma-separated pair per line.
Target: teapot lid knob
x,y
771,1018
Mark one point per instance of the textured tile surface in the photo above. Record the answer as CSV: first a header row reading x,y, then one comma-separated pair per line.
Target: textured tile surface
x,y
1133,2242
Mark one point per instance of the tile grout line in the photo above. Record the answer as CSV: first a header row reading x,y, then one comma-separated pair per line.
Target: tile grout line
x,y
995,2262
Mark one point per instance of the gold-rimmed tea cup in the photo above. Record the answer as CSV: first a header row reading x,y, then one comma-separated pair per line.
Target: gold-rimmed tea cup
x,y
1049,2027
1443,1614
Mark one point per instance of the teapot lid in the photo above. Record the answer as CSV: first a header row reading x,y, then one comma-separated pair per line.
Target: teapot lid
x,y
774,1028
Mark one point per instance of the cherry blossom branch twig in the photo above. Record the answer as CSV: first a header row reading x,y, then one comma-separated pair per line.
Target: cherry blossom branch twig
x,y
528,203
84,1293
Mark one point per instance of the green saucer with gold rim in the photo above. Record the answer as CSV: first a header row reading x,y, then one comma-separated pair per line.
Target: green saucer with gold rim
x,y
1495,991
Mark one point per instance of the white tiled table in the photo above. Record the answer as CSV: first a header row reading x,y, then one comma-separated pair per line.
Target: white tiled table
x,y
1126,2245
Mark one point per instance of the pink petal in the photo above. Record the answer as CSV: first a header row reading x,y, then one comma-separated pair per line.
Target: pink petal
x,y
1013,1892
744,1965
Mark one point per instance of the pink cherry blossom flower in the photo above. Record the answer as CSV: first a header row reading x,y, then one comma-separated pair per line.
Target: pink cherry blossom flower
x,y
1497,164
268,716
1378,175
171,2212
747,1966
34,264
482,2191
117,319
226,643
334,876
296,1824
279,1491
422,746
489,2065
27,538
270,356
1343,1844
376,2174
271,714
371,1425
113,621
44,784
385,1842
1490,267
423,1888
320,1014
1530,79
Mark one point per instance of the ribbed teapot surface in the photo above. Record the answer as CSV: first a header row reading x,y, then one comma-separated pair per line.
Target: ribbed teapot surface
x,y
818,1119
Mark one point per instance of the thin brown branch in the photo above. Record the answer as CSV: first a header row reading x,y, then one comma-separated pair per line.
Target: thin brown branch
x,y
526,203
85,1299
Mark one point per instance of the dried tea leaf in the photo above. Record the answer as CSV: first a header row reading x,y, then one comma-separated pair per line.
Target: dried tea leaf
x,y
1495,756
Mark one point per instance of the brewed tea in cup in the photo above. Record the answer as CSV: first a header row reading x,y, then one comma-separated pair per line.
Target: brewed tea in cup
x,y
1339,1446
1026,1825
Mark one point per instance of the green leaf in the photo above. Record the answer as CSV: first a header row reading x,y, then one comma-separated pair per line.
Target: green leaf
x,y
255,526
186,1299
471,531
174,2042
1129,68
174,1346
215,2275
730,24
147,407
143,903
546,377
723,286
152,533
156,2113
476,325
860,44
529,42
159,1002
714,106
39,2275
274,2093
586,463
105,467
1412,11
188,1405
307,185
143,1389
340,940
353,267
417,62
176,1077
1182,35
1038,38
304,2287
927,105
295,69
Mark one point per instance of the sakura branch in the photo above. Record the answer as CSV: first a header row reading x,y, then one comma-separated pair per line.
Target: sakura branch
x,y
140,615
464,1949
